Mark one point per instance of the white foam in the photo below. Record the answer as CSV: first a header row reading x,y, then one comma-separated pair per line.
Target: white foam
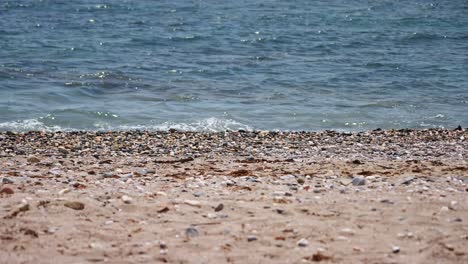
x,y
204,125
211,124
28,125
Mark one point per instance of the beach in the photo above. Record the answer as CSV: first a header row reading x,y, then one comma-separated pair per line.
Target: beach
x,y
381,196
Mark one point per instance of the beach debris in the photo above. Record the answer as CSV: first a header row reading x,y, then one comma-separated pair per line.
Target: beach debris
x,y
303,242
75,205
191,232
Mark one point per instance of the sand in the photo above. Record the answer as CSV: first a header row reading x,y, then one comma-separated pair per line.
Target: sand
x,y
234,197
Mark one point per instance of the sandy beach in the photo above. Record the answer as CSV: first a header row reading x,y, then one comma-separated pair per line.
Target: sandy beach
x,y
234,197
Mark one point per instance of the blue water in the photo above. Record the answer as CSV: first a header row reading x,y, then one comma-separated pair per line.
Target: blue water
x,y
246,64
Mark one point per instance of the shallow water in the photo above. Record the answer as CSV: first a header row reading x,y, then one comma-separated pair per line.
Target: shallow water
x,y
216,65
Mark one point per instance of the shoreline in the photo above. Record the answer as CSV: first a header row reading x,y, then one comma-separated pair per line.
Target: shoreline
x,y
382,196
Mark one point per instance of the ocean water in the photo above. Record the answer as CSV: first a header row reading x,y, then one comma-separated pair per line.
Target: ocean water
x,y
214,65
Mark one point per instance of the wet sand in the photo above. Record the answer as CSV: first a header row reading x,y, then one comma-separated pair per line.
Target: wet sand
x,y
234,197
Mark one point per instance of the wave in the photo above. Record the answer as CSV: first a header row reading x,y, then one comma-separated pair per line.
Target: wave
x,y
28,125
211,124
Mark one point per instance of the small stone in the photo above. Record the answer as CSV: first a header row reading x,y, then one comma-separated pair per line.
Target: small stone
x,y
386,201
287,177
75,205
300,180
251,238
198,194
7,181
347,232
218,208
7,190
163,210
63,151
453,206
126,199
395,249
318,190
192,203
30,232
358,181
192,232
33,159
64,191
108,175
52,230
319,256
303,242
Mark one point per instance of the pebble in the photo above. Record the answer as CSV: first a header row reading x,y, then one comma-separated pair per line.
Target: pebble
x,y
75,205
251,238
287,177
108,175
33,159
192,203
303,242
63,151
358,181
318,190
452,205
218,208
7,190
198,194
347,231
395,249
7,181
126,199
192,232
64,191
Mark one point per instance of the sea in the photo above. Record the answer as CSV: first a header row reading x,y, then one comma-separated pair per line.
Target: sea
x,y
217,65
